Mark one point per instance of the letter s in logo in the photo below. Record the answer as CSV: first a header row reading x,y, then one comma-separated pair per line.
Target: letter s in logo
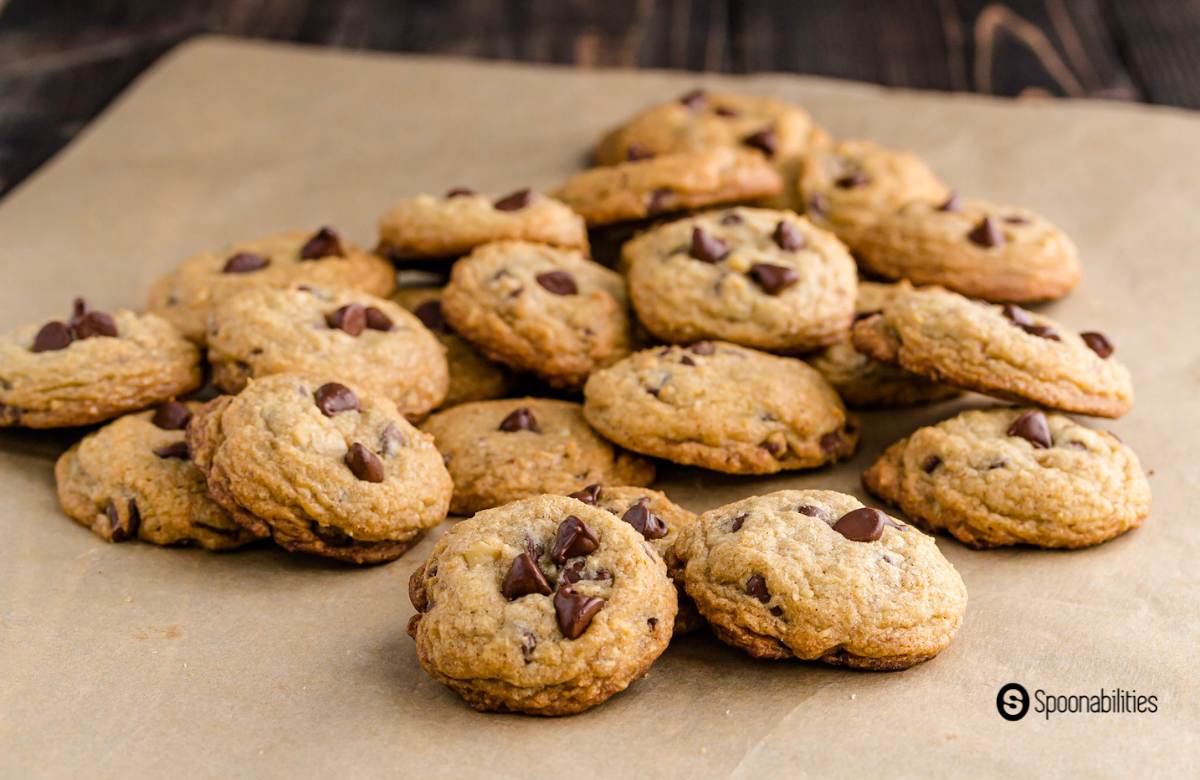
x,y
1012,702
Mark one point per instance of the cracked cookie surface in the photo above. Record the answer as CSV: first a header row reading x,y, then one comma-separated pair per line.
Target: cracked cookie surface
x,y
545,606
722,407
814,575
1014,476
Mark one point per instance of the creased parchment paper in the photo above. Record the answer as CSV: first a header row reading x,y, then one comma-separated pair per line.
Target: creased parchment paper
x,y
130,660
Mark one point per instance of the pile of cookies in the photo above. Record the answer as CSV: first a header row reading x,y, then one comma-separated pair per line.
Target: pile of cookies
x,y
715,293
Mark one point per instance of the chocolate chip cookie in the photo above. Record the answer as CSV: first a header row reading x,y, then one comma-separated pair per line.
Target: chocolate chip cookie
x,y
722,407
864,382
980,249
815,575
1006,352
1014,476
91,366
658,519
134,479
672,182
372,343
320,468
757,277
472,376
539,309
500,451
545,606
187,296
431,227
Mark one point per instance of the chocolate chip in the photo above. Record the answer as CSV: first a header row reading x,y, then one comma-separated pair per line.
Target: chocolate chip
x,y
52,337
953,203
862,315
756,586
177,450
645,522
764,140
1016,219
577,571
332,398
573,539
558,282
520,419
652,623
514,201
830,442
336,537
852,180
659,200
731,218
171,416
986,234
93,324
523,578
377,320
1042,331
575,611
999,464
1098,343
123,530
324,243
365,464
774,447
788,237
703,348
817,205
726,111
79,307
528,645
931,463
244,263
738,522
351,318
459,192
694,99
430,315
589,495
773,279
636,151
1017,316
707,248
811,511
864,524
687,361
1033,427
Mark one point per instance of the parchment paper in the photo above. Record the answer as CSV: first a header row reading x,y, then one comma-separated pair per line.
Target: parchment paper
x,y
126,660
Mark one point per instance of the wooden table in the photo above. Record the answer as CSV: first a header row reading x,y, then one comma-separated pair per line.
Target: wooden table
x,y
62,61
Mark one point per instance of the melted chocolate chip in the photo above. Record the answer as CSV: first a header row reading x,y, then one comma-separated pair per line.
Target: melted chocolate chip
x,y
703,348
830,442
324,243
573,539
817,205
520,419
514,201
171,416
1033,427
645,522
177,450
377,320
687,361
523,578
811,511
931,463
365,464
731,218
726,112
351,318
1098,343
52,337
659,200
459,192
953,203
244,263
864,524
1017,316
589,495
636,151
574,611
788,237
773,279
430,315
558,282
765,140
756,586
986,234
1016,219
694,99
707,248
332,398
392,440
852,180
1042,331
737,522
123,529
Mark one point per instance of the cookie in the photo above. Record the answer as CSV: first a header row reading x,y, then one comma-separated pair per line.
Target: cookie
x,y
545,606
501,451
757,277
372,343
320,468
815,575
431,227
1009,476
187,296
539,309
722,407
670,183
864,382
472,376
849,186
1005,352
91,367
980,249
658,519
134,479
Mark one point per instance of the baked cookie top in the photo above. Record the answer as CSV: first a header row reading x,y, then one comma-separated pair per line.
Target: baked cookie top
x,y
816,575
721,406
705,120
864,382
1005,352
539,309
428,226
1014,476
372,343
320,468
472,376
671,182
980,249
546,606
186,296
501,451
91,366
134,479
758,277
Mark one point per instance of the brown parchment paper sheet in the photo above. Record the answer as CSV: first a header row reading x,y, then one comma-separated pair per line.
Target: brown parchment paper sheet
x,y
129,660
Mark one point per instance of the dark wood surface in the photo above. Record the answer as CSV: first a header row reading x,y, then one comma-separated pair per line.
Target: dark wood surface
x,y
62,61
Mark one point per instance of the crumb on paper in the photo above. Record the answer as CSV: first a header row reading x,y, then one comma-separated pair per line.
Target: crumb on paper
x,y
853,696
